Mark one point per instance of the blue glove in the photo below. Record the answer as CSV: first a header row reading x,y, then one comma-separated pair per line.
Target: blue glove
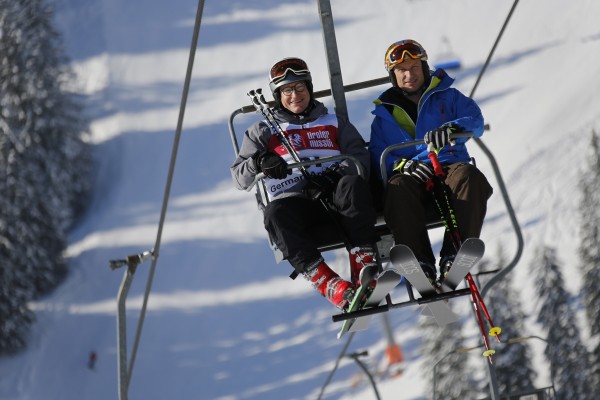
x,y
439,137
419,170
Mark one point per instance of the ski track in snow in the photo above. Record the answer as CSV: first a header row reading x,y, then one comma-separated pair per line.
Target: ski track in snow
x,y
224,322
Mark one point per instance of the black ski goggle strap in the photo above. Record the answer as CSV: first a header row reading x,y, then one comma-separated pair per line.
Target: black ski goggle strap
x,y
280,69
402,50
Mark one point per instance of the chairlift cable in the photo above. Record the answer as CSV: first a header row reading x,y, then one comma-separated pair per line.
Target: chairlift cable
x,y
491,53
337,363
496,169
167,192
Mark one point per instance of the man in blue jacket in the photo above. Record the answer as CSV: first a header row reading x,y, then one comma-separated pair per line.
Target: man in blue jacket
x,y
422,105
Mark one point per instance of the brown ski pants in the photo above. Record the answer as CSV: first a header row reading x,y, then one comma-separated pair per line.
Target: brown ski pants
x,y
408,207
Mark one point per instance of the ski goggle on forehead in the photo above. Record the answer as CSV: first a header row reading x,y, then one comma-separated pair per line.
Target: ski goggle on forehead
x,y
399,51
280,69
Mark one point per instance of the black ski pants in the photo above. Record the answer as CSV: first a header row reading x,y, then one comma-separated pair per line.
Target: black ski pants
x,y
295,224
407,204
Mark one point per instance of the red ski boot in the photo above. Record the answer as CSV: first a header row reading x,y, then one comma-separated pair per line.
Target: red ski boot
x,y
330,285
360,257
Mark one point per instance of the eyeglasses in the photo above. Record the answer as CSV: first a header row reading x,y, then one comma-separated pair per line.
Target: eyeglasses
x,y
398,51
280,69
298,88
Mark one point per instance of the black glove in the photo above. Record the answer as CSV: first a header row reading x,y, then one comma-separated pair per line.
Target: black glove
x,y
419,170
439,137
321,186
272,165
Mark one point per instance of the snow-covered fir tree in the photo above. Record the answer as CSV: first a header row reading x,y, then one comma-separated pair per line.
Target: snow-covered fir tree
x,y
569,359
589,250
513,363
44,162
453,380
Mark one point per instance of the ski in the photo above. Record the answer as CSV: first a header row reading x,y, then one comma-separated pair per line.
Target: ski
x,y
403,258
386,282
469,254
367,274
365,293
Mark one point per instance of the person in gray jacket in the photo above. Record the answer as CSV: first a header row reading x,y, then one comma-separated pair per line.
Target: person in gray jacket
x,y
297,204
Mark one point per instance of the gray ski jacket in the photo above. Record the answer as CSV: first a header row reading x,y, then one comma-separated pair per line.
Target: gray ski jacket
x,y
315,135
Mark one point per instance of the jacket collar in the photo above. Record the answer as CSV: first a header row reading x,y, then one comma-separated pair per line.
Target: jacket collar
x,y
394,96
313,111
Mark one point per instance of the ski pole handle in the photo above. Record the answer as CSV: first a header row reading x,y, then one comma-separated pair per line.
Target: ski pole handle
x,y
261,105
437,167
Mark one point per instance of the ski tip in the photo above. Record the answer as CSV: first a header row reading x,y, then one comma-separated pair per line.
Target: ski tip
x,y
399,247
367,275
391,270
398,251
475,242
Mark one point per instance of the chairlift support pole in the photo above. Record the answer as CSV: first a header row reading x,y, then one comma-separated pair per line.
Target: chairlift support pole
x,y
333,59
122,332
125,371
338,93
131,263
496,169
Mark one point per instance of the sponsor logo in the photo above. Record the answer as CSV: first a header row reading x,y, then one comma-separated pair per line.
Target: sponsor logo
x,y
327,143
318,135
296,140
320,139
466,261
285,183
408,268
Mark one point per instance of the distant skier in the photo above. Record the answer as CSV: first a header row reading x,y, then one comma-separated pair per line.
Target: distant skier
x,y
294,209
92,360
421,104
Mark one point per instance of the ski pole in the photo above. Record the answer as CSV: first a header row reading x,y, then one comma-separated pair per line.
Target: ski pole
x,y
439,189
440,192
494,330
260,103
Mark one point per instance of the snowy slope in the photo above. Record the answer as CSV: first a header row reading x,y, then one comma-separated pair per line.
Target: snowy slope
x,y
224,321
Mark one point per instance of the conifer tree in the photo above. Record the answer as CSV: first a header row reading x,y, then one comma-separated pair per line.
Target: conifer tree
x,y
569,359
589,250
453,380
514,370
44,162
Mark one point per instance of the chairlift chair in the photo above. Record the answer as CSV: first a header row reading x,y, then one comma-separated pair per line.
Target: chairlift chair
x,y
327,235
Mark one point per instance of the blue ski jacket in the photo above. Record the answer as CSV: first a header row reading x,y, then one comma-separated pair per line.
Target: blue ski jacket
x,y
440,104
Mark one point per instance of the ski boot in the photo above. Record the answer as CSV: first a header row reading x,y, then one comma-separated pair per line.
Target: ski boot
x,y
429,271
445,265
360,257
338,291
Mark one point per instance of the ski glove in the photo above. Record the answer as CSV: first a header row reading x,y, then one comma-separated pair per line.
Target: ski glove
x,y
419,170
321,186
272,165
439,137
